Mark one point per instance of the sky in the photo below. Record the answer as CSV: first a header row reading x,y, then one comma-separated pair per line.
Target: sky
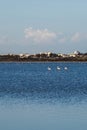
x,y
33,26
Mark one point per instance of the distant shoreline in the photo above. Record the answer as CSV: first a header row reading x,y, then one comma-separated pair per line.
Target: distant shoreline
x,y
41,61
45,57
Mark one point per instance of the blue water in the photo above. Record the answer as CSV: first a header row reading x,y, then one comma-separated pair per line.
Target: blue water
x,y
33,98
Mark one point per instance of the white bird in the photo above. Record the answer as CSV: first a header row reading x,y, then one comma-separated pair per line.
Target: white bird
x,y
65,68
58,68
49,68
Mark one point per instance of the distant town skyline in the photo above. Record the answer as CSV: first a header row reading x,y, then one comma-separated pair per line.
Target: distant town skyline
x,y
41,26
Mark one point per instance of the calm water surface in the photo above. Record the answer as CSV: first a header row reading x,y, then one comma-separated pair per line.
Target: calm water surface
x,y
33,98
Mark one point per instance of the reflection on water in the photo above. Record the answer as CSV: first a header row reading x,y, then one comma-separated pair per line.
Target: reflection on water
x,y
33,98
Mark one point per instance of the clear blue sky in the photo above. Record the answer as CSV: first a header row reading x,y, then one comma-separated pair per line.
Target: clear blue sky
x,y
28,26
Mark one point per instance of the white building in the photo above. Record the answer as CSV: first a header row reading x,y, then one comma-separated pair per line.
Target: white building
x,y
24,55
76,52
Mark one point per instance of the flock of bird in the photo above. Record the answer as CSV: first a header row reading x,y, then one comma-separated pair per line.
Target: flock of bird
x,y
58,68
